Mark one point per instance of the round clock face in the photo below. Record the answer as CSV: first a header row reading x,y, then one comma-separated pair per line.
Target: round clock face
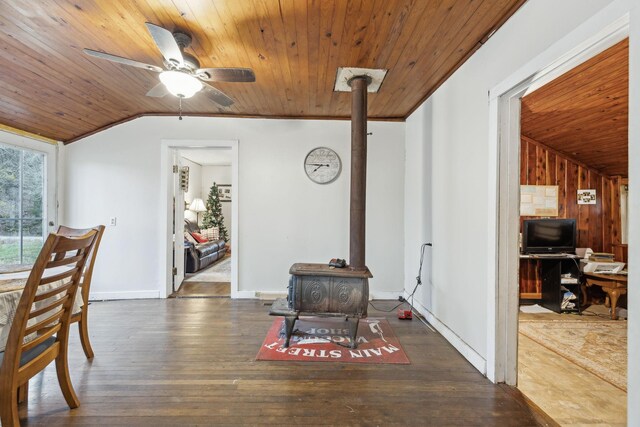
x,y
322,165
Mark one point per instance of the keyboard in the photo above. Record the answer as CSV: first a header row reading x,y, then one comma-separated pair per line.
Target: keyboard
x,y
550,255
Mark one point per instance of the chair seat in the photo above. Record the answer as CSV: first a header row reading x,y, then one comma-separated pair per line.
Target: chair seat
x,y
32,353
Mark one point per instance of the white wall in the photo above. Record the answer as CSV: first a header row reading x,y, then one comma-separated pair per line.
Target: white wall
x,y
283,216
453,125
418,209
220,174
195,187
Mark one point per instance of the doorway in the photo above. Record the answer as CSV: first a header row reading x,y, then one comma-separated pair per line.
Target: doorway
x,y
574,159
201,229
560,167
207,194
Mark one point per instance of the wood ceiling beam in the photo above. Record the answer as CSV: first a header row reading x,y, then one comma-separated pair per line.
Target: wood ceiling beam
x,y
26,134
228,116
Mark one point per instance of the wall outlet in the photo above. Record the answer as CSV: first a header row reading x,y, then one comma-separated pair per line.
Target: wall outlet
x,y
112,221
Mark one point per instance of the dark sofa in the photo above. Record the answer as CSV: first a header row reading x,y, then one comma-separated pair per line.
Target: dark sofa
x,y
201,255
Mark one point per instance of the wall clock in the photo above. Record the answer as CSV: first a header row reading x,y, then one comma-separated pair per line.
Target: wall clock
x,y
322,165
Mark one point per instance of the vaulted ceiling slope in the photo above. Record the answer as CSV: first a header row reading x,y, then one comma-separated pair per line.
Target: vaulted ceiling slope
x,y
49,87
584,113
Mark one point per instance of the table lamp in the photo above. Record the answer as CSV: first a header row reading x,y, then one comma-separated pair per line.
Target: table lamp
x,y
197,206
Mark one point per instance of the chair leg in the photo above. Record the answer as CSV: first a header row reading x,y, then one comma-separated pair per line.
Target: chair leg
x,y
84,335
9,409
62,369
23,392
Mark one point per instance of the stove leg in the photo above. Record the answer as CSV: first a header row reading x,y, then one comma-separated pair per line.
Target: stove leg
x,y
289,321
353,330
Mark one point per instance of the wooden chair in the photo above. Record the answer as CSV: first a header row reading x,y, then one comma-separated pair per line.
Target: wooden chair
x,y
85,284
44,319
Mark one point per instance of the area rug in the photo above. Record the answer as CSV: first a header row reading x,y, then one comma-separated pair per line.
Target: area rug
x,y
600,347
318,339
218,272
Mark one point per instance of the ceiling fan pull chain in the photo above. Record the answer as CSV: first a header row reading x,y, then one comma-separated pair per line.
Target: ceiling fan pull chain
x,y
180,108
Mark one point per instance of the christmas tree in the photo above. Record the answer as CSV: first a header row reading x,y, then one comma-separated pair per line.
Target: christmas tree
x,y
213,215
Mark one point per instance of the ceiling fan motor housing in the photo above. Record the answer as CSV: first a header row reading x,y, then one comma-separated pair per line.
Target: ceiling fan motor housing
x,y
184,41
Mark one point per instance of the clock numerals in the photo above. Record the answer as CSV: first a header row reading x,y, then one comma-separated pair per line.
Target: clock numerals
x,y
322,165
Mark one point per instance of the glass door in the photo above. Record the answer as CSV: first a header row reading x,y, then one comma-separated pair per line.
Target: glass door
x,y
23,197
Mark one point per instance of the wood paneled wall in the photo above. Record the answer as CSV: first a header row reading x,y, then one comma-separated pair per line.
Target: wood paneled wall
x,y
598,226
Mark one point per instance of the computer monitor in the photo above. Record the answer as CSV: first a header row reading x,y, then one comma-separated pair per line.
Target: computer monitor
x,y
549,236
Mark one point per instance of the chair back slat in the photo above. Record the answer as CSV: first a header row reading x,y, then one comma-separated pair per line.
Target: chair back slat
x,y
53,292
49,321
41,311
63,261
85,284
66,244
45,335
59,276
45,305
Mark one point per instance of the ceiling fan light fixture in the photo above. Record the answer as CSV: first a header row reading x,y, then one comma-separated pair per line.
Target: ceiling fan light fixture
x,y
180,84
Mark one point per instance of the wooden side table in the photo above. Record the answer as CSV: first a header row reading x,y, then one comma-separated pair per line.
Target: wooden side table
x,y
613,284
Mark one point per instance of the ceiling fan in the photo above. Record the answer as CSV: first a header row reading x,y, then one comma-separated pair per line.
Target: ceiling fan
x,y
182,75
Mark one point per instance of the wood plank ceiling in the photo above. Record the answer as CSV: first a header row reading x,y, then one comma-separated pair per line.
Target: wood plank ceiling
x,y
584,113
49,87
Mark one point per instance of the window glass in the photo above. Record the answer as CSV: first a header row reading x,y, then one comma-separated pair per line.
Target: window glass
x,y
21,204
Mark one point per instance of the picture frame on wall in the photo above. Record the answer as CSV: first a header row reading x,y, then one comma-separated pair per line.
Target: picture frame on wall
x,y
224,192
587,197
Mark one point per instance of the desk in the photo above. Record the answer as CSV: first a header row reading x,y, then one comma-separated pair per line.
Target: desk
x,y
613,284
11,286
552,269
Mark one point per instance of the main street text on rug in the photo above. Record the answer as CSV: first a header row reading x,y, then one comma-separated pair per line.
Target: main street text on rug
x,y
319,339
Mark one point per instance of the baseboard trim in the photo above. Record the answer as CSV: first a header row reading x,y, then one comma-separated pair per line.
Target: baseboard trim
x,y
243,294
102,296
458,343
269,296
265,295
385,295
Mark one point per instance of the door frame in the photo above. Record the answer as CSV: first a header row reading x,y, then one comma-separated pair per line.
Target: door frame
x,y
596,35
166,208
178,218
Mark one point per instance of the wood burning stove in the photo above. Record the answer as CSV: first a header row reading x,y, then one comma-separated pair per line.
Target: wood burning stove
x,y
321,290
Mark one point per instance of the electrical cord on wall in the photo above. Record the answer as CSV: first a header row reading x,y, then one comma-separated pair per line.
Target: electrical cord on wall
x,y
415,288
419,277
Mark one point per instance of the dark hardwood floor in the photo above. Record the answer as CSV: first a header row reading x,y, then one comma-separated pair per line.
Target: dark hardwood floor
x,y
191,362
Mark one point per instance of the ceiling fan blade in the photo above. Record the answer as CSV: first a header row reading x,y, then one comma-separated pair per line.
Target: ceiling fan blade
x,y
226,74
166,44
121,60
217,95
158,91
